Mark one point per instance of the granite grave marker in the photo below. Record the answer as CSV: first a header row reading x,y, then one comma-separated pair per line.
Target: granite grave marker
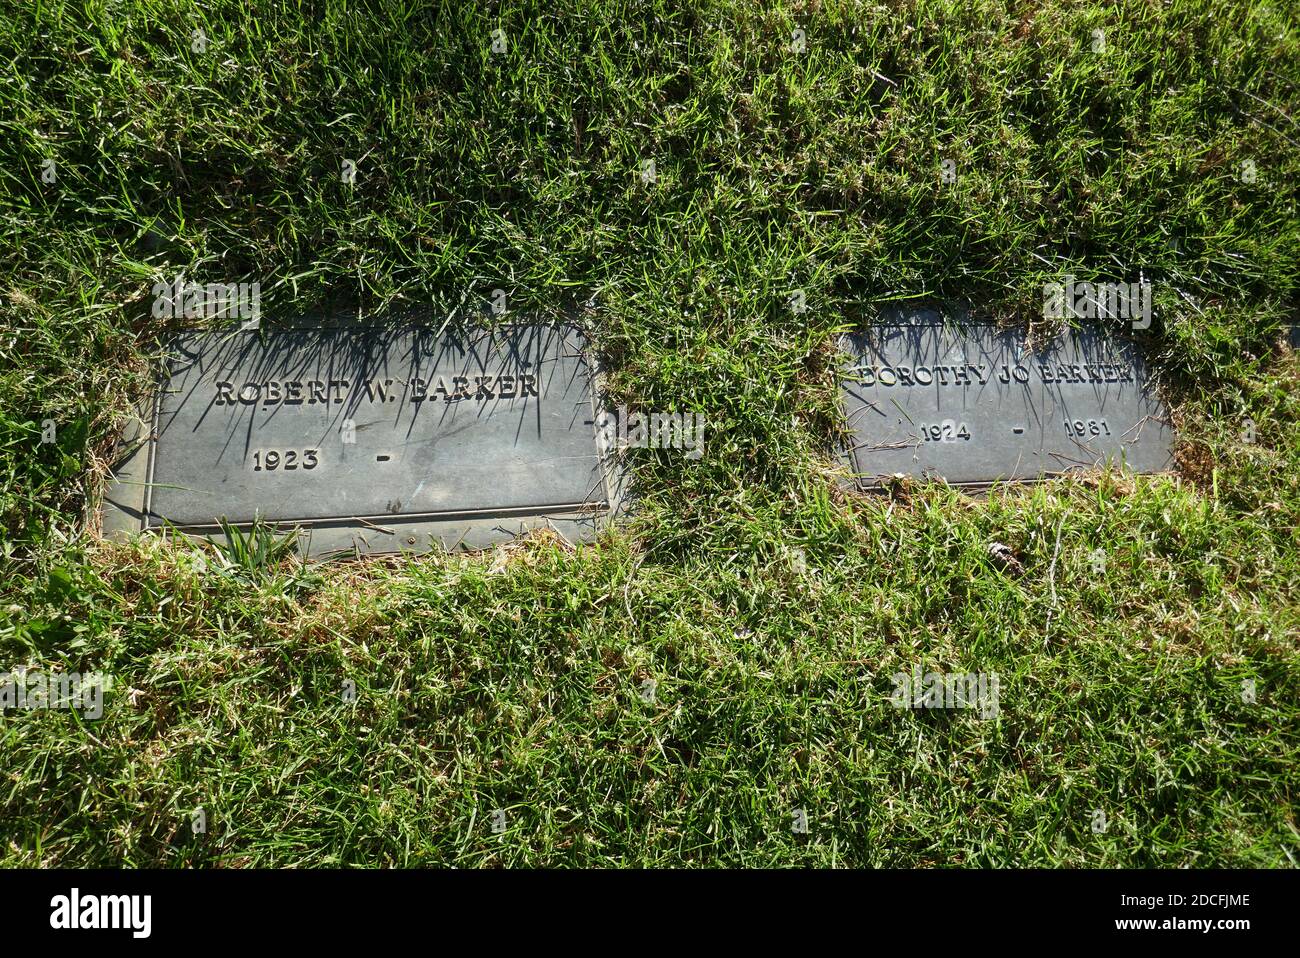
x,y
975,405
370,439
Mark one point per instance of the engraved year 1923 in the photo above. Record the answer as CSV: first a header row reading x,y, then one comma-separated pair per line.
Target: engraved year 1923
x,y
270,460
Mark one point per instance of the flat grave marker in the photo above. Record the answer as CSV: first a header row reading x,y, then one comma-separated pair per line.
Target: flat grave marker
x,y
974,405
371,439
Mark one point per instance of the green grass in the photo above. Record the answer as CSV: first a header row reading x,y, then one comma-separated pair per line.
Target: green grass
x,y
512,680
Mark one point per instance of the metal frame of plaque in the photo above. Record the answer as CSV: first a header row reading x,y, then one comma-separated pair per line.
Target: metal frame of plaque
x,y
369,439
975,405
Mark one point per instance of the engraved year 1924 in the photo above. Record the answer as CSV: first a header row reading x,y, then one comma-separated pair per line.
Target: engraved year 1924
x,y
946,431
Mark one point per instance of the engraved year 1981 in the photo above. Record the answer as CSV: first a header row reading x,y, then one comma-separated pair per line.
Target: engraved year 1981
x,y
270,460
1081,428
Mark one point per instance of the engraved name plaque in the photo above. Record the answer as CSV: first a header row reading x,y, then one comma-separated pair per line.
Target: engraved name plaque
x,y
370,439
975,405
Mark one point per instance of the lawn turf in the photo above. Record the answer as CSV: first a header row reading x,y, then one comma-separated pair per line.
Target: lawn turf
x,y
770,606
